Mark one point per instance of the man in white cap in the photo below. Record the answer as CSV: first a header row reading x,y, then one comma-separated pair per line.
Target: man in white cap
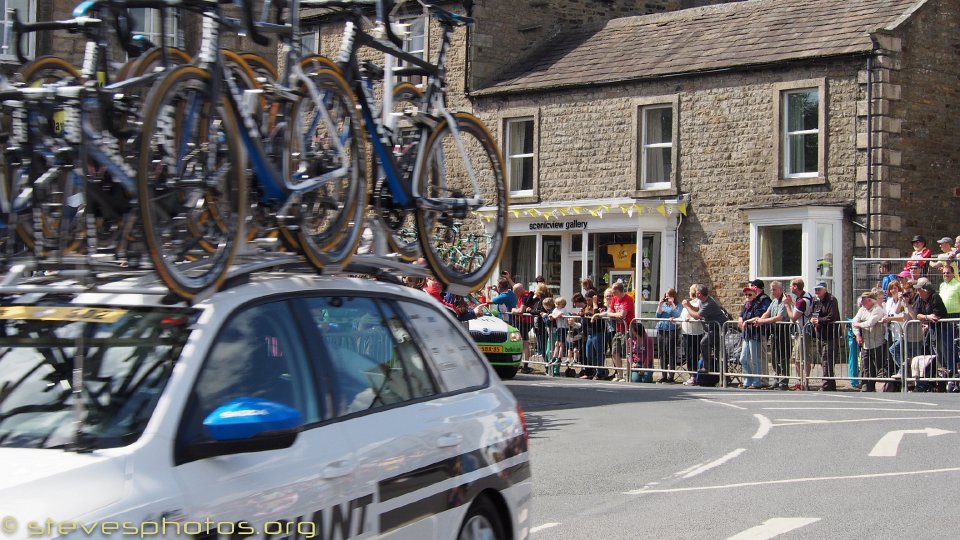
x,y
825,313
869,333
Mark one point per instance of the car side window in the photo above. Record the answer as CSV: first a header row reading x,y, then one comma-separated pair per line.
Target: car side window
x,y
257,353
371,358
456,358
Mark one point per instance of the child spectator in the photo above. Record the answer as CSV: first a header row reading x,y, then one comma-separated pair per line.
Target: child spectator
x,y
559,316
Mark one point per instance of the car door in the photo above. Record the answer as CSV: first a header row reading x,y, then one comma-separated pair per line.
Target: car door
x,y
259,353
383,391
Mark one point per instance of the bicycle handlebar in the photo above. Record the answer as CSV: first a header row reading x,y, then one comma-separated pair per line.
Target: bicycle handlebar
x,y
246,7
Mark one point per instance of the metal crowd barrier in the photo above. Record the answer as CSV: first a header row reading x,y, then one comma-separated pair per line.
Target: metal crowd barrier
x,y
918,355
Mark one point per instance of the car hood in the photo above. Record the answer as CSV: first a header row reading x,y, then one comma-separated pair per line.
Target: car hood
x,y
490,324
36,484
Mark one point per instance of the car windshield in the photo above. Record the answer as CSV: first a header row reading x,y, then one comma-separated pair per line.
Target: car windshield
x,y
126,354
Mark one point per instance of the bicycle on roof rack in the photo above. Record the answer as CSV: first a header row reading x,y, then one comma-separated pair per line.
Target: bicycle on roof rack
x,y
443,173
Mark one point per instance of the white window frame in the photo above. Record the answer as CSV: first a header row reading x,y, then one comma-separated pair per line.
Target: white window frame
x,y
645,146
639,106
780,165
787,134
31,41
521,195
809,218
415,21
151,25
310,34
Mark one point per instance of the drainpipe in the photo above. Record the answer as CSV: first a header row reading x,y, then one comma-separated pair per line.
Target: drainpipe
x,y
676,250
869,148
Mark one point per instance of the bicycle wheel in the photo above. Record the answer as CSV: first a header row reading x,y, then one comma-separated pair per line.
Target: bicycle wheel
x,y
325,139
46,69
400,224
445,218
192,187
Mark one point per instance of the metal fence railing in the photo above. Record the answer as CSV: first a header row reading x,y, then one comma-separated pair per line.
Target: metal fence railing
x,y
913,355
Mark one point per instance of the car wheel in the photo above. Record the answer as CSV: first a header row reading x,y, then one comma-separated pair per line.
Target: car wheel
x,y
482,522
506,372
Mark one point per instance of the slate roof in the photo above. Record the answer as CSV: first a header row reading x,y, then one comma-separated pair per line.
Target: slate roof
x,y
738,34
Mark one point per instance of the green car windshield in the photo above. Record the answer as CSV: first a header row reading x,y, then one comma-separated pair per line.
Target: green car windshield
x,y
126,357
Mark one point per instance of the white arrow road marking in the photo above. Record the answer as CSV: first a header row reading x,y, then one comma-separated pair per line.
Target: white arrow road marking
x,y
539,528
773,527
797,421
716,463
764,428
888,444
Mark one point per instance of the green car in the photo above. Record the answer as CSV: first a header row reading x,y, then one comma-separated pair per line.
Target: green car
x,y
501,343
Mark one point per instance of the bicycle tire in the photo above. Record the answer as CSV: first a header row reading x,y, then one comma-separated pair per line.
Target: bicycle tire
x,y
330,217
261,65
150,59
397,222
443,175
46,69
183,130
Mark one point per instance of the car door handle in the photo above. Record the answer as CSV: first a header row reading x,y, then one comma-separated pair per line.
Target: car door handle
x,y
338,469
449,439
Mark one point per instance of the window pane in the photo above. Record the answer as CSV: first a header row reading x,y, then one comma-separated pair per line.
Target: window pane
x,y
257,353
803,153
824,251
803,111
657,165
459,365
780,251
659,124
367,370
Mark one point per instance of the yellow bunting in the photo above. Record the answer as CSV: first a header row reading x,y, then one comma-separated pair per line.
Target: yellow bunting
x,y
682,207
662,209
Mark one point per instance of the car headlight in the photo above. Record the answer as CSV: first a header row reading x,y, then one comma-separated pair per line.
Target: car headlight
x,y
514,336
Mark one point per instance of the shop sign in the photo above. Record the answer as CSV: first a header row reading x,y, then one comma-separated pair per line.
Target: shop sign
x,y
574,224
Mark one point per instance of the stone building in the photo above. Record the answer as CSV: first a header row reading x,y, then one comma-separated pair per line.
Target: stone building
x,y
701,140
767,138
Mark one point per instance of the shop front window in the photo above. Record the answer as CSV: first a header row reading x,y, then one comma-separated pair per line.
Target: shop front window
x,y
519,258
779,252
552,262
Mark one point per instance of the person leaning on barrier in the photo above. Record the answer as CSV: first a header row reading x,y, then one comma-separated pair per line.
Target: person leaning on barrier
x,y
621,309
892,309
523,320
869,332
713,314
669,310
691,332
950,294
826,312
911,344
799,307
776,315
753,308
930,310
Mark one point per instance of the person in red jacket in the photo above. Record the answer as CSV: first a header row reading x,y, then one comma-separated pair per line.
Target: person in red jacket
x,y
920,252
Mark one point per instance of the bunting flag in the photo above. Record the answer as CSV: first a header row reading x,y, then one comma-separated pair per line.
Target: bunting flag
x,y
641,207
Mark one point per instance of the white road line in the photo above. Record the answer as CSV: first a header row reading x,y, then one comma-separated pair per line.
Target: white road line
x,y
716,463
793,481
798,421
764,426
762,401
773,527
688,469
539,528
856,409
899,401
723,403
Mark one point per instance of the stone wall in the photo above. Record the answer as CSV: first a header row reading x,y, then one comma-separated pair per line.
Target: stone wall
x,y
726,155
924,194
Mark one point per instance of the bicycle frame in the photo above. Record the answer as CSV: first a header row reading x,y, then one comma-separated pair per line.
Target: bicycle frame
x,y
275,186
404,186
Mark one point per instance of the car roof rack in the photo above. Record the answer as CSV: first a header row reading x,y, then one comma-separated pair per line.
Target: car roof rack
x,y
82,274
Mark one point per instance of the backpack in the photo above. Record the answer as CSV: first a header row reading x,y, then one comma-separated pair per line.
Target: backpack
x,y
805,318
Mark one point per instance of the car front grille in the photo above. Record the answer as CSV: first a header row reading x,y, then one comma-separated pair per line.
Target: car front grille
x,y
492,337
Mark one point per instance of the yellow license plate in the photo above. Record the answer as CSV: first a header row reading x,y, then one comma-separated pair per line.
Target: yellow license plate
x,y
491,348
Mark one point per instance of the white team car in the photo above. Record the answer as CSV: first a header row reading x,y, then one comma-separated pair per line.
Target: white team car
x,y
284,407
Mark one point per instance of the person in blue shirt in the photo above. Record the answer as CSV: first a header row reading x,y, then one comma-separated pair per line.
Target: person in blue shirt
x,y
667,309
886,277
505,298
